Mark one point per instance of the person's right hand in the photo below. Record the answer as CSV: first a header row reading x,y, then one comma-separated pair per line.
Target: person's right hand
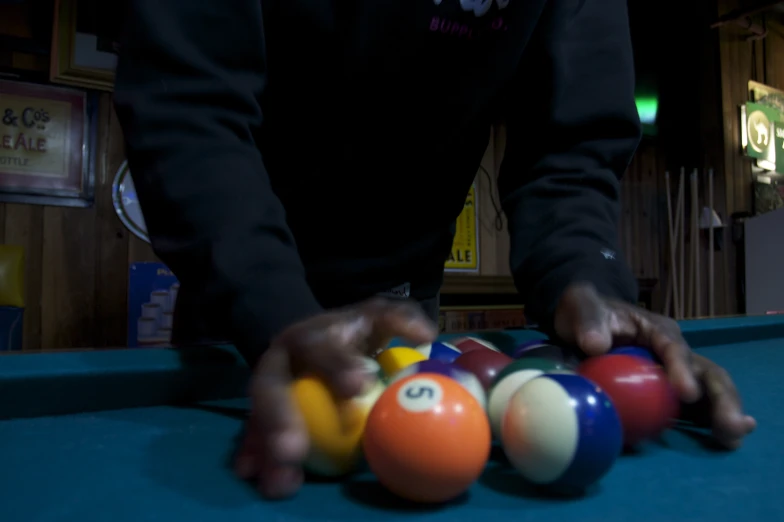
x,y
330,345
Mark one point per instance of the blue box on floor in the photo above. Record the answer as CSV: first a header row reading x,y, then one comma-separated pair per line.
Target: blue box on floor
x,y
11,327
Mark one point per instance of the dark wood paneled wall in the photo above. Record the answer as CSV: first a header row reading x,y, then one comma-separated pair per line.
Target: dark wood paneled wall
x,y
643,230
742,59
689,137
705,84
77,259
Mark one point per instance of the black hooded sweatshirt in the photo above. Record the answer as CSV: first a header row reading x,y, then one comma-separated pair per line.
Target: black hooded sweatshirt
x,y
296,155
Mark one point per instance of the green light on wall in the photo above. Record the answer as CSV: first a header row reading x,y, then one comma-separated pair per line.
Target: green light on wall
x,y
647,108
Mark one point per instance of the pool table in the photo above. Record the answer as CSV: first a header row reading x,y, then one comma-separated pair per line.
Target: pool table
x,y
147,435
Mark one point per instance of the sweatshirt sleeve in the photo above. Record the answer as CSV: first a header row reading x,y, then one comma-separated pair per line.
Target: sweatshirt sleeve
x,y
572,129
189,81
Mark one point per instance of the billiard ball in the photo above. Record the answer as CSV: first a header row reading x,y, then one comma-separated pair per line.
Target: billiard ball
x,y
637,351
468,344
561,354
509,380
463,377
393,360
371,367
640,390
439,351
539,363
335,426
485,364
562,431
427,439
523,347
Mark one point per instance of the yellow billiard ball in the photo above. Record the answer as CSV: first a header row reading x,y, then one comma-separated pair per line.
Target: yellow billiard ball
x,y
393,360
335,426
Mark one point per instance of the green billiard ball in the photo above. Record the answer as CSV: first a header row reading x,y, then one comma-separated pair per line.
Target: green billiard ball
x,y
510,379
553,352
542,364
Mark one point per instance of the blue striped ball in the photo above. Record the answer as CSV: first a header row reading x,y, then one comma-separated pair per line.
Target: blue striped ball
x,y
439,351
561,430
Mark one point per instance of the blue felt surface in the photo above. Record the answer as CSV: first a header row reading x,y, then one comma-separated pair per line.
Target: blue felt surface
x,y
170,464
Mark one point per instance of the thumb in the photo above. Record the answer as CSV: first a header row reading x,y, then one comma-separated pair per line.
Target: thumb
x,y
582,318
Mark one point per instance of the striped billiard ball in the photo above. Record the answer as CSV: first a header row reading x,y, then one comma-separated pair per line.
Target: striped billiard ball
x,y
468,344
439,351
510,379
562,431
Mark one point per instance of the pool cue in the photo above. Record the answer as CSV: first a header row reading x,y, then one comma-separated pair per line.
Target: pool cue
x,y
679,237
671,295
692,244
690,289
668,294
681,232
711,310
697,244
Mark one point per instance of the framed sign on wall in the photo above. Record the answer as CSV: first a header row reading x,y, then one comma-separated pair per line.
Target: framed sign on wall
x,y
762,127
84,46
46,145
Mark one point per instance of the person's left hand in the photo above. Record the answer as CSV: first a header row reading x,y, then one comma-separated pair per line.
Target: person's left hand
x,y
595,324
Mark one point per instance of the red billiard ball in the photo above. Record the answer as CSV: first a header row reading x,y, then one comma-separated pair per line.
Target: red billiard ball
x,y
640,391
469,344
485,364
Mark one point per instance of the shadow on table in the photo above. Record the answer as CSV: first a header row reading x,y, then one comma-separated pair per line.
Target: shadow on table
x,y
367,491
691,433
502,478
505,480
691,439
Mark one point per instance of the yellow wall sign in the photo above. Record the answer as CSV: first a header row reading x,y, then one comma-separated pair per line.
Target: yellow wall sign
x,y
465,248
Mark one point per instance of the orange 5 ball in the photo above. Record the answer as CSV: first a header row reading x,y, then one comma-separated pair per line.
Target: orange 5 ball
x,y
427,439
